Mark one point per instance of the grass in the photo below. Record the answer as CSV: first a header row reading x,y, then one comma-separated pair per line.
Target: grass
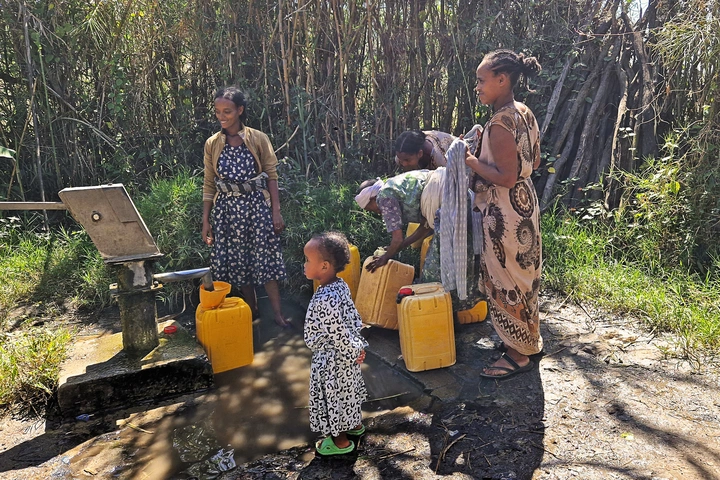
x,y
47,275
29,366
58,273
580,261
172,211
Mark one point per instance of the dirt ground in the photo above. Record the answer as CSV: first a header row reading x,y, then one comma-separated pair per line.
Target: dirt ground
x,y
608,400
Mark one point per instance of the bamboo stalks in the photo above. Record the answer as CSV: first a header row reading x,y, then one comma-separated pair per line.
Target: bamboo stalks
x,y
350,75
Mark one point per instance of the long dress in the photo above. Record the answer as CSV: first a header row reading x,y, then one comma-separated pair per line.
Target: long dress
x,y
246,250
511,261
332,332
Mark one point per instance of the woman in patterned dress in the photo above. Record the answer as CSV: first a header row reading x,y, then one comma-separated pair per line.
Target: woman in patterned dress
x,y
332,332
511,259
241,182
415,149
399,200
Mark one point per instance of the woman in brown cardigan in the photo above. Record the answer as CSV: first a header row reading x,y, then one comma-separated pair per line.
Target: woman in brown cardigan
x,y
241,183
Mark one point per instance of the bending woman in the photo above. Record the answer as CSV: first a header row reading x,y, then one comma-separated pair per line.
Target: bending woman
x,y
511,259
413,196
415,149
241,182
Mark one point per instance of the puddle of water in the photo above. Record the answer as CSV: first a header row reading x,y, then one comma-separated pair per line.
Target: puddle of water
x,y
253,411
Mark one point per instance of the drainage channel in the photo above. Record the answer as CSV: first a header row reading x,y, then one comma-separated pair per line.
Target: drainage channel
x,y
252,411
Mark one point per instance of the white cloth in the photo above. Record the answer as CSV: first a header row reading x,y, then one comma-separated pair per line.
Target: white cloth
x,y
477,227
453,221
431,197
367,193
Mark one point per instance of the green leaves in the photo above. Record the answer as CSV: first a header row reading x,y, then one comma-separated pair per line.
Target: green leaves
x,y
6,152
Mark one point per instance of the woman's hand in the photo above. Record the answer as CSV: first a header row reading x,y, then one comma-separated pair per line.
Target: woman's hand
x,y
377,263
361,357
207,233
472,161
278,222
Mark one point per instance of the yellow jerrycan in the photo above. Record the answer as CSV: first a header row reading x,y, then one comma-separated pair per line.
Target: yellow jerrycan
x,y
376,300
410,230
423,252
427,335
478,313
351,274
226,334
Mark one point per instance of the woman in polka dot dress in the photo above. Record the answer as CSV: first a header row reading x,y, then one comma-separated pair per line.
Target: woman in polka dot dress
x,y
241,182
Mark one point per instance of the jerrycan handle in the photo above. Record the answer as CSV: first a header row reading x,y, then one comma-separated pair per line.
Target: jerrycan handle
x,y
421,289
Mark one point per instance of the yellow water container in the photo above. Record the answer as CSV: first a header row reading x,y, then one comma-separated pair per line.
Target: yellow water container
x,y
226,334
427,336
410,230
478,313
216,297
351,274
376,300
423,252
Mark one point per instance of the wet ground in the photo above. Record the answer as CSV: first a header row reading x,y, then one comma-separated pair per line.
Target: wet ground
x,y
251,411
607,400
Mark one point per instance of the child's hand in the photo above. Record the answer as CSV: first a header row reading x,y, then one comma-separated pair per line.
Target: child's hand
x,y
361,357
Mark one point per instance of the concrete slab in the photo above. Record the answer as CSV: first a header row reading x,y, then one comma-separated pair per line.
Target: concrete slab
x,y
99,376
474,344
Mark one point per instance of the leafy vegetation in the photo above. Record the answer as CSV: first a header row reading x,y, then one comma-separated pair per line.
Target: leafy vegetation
x,y
29,367
583,260
119,92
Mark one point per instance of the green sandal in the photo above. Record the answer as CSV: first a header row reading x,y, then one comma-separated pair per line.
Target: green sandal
x,y
326,447
357,431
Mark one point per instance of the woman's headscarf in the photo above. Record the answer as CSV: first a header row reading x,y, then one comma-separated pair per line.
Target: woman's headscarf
x,y
368,193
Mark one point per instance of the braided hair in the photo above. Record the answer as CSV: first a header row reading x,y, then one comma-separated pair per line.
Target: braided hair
x,y
410,141
333,248
514,64
237,97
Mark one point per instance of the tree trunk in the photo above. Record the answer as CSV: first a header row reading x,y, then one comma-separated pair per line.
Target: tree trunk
x,y
647,142
584,154
612,186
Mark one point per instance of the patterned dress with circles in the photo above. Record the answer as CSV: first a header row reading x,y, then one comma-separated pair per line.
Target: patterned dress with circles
x,y
246,249
512,256
332,332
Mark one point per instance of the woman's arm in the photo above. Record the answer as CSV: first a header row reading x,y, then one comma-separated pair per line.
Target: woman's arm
x,y
419,234
395,246
397,243
208,191
278,222
207,233
504,151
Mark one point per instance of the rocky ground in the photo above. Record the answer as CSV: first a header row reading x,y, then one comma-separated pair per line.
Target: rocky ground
x,y
607,400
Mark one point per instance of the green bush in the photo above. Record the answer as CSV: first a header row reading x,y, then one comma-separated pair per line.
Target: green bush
x,y
312,207
172,210
29,367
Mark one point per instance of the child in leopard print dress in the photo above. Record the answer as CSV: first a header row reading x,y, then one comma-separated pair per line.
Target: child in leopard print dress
x,y
332,332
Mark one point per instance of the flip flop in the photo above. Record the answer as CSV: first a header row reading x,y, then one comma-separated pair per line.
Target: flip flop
x,y
357,431
327,447
509,371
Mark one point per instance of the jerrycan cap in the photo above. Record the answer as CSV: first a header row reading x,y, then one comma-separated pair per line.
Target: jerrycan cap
x,y
404,292
170,329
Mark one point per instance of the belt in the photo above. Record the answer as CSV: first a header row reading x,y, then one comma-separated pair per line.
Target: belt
x,y
257,183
